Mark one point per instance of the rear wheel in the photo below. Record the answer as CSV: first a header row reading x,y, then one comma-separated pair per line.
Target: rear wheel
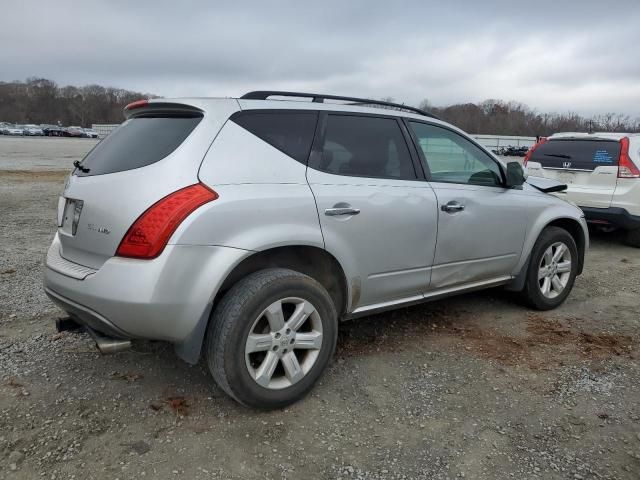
x,y
271,337
632,238
552,269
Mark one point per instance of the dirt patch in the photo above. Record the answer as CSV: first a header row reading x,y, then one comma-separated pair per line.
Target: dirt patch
x,y
605,344
546,341
397,330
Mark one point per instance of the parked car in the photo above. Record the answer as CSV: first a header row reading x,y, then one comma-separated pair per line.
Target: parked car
x,y
74,132
89,133
31,130
602,173
247,228
13,130
54,131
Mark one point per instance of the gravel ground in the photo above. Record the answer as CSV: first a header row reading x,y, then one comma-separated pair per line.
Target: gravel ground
x,y
475,386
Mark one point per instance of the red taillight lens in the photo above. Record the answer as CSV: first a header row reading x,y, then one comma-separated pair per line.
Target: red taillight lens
x,y
626,167
150,233
137,104
531,150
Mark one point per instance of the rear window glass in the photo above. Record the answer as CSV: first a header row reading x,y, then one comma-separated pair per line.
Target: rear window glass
x,y
577,154
289,132
136,143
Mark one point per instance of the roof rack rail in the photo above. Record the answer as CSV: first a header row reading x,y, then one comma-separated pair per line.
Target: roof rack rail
x,y
320,98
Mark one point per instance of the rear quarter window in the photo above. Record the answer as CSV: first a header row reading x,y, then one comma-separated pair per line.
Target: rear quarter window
x,y
290,132
577,154
136,143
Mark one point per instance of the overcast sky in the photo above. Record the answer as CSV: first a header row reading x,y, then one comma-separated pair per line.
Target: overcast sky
x,y
560,56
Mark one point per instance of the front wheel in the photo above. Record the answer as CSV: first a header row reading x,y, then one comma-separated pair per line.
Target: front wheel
x,y
271,337
552,269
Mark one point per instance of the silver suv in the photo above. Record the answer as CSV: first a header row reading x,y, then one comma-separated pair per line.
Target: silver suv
x,y
247,228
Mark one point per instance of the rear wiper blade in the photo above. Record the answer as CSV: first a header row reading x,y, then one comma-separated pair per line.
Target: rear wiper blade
x,y
557,155
79,166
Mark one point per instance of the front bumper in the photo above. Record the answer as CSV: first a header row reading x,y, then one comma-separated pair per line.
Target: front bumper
x,y
160,299
614,216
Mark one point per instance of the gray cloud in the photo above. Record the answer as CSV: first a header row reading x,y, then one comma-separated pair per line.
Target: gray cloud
x,y
553,56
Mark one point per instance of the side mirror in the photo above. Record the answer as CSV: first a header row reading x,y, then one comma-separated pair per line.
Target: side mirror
x,y
515,175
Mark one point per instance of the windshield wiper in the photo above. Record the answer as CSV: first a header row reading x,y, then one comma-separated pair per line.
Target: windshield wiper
x,y
557,155
79,166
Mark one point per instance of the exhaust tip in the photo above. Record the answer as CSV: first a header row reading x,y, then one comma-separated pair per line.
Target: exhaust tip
x,y
109,345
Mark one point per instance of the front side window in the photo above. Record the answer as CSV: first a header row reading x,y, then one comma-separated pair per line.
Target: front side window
x,y
451,158
365,147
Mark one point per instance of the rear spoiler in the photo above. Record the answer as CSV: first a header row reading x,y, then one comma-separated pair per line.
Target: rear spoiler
x,y
144,108
546,185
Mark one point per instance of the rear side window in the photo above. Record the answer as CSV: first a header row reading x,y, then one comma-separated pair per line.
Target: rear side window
x,y
577,154
136,143
365,147
289,132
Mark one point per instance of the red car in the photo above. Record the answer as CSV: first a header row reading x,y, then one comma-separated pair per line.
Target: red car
x,y
74,132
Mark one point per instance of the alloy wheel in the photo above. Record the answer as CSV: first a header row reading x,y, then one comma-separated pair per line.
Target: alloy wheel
x,y
554,270
283,343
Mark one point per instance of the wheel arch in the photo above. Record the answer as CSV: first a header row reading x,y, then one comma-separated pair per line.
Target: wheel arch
x,y
309,260
571,225
576,231
313,261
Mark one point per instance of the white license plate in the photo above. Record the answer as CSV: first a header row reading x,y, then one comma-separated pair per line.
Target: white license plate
x,y
566,177
71,216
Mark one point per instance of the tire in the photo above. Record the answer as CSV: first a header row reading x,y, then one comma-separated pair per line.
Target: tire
x,y
632,238
243,311
533,292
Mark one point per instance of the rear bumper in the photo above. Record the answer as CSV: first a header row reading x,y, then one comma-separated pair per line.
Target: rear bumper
x,y
617,217
161,299
86,316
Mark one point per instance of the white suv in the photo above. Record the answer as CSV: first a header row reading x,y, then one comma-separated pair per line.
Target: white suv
x,y
602,174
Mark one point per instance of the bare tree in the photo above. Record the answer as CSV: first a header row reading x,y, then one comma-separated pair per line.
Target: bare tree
x,y
38,100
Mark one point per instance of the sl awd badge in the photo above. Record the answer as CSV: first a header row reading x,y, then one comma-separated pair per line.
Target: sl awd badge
x,y
98,228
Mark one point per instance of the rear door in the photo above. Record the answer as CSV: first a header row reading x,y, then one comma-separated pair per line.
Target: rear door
x,y
589,167
377,215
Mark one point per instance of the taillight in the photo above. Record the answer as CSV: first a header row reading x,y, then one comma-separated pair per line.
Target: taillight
x,y
149,234
532,149
137,104
626,167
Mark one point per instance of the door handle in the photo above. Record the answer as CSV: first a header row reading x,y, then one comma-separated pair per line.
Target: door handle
x,y
452,207
335,211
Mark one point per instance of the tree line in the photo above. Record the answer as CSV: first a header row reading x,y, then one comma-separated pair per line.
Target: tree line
x,y
39,100
497,117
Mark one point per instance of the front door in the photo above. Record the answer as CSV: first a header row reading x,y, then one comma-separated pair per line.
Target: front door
x,y
481,227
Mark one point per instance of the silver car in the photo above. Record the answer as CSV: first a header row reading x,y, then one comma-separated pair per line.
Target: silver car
x,y
246,229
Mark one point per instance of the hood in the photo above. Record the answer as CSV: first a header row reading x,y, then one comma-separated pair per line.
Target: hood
x,y
546,185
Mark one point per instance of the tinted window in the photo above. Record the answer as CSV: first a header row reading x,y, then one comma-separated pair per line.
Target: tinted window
x,y
577,154
365,147
290,132
136,143
451,158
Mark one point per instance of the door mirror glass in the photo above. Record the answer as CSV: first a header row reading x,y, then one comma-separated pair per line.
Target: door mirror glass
x,y
515,175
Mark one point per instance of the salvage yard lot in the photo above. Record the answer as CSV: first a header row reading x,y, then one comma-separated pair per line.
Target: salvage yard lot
x,y
476,386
